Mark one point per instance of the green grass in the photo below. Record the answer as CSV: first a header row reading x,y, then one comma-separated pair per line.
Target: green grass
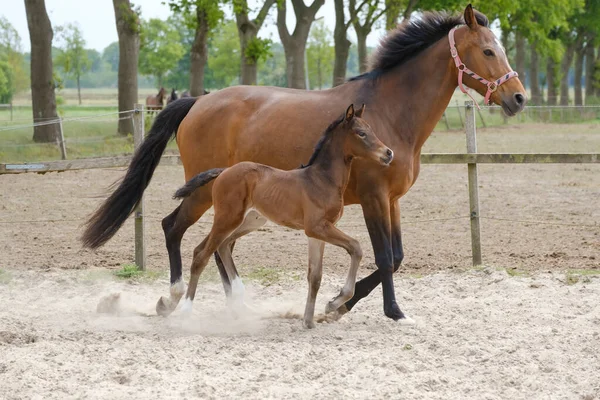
x,y
5,277
131,271
533,131
266,276
574,276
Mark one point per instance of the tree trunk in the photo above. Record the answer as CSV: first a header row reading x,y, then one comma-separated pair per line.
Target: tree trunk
x,y
199,54
579,57
361,40
294,44
247,32
128,31
392,13
409,9
79,88
536,92
342,44
551,67
565,66
590,59
520,56
42,81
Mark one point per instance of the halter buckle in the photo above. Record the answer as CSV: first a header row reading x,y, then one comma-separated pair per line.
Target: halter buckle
x,y
461,67
453,52
492,87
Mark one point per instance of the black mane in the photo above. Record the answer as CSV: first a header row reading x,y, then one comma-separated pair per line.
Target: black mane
x,y
411,38
326,136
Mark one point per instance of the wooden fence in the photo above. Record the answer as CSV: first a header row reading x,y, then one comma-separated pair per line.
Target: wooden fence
x,y
471,158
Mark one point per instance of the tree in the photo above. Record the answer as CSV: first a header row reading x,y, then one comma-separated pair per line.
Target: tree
x,y
371,11
128,29
223,61
208,15
42,80
110,55
161,49
341,43
73,57
405,7
320,54
272,71
6,83
11,54
252,47
294,44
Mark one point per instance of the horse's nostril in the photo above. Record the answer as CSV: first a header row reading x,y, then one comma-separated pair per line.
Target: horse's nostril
x,y
519,98
389,152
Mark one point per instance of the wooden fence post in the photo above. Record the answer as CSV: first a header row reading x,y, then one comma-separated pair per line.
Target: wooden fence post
x,y
61,140
138,138
473,184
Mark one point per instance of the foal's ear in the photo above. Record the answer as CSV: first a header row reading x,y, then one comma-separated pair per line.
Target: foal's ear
x,y
470,19
360,112
350,112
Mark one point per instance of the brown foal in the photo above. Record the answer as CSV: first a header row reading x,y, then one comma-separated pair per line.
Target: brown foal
x,y
310,198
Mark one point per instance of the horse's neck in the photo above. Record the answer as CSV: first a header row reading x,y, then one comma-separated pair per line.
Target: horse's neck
x,y
412,99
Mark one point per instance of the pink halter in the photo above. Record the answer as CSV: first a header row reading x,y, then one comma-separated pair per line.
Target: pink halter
x,y
492,86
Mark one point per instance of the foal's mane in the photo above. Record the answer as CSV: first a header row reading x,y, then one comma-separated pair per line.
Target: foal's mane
x,y
321,143
411,38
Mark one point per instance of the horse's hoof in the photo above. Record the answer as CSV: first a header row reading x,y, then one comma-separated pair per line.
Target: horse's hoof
x,y
163,307
308,324
407,321
394,312
342,310
330,307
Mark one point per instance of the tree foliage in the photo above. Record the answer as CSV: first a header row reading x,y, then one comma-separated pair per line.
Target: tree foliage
x,y
160,48
73,57
320,53
14,76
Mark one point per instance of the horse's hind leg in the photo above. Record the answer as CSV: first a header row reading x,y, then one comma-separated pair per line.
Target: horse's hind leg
x,y
235,297
174,227
315,272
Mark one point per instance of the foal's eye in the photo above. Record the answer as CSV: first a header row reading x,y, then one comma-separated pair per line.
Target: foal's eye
x,y
488,53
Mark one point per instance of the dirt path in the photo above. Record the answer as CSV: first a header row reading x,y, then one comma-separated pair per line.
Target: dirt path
x,y
479,335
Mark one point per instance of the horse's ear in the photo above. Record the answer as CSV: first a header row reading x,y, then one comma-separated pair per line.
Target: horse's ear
x,y
350,112
360,112
470,19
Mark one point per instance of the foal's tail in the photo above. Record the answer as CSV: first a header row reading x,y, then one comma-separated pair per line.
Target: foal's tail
x,y
199,180
107,220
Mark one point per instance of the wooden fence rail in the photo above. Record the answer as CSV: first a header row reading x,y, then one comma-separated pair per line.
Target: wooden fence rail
x,y
471,158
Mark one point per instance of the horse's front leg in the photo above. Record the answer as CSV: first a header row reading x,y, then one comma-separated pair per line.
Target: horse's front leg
x,y
378,214
366,285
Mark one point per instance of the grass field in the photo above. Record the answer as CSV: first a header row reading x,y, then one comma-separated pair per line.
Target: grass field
x,y
535,130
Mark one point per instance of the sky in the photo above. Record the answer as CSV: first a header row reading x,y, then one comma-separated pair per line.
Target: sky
x,y
97,20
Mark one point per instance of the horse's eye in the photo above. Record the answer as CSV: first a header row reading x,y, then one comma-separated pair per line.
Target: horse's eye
x,y
362,134
488,53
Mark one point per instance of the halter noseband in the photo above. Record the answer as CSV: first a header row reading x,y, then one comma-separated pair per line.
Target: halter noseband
x,y
492,86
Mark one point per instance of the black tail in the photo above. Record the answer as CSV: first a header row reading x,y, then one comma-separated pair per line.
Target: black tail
x,y
199,180
107,220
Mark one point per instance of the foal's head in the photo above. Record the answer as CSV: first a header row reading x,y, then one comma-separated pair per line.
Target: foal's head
x,y
360,140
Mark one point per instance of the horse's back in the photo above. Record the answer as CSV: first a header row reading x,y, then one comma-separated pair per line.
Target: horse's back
x,y
273,126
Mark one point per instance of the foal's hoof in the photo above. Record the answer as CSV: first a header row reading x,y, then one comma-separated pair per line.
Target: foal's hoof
x,y
163,307
330,307
308,324
393,312
406,321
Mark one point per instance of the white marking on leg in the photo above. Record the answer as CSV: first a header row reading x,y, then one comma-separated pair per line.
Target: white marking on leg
x,y
186,308
237,290
177,289
407,321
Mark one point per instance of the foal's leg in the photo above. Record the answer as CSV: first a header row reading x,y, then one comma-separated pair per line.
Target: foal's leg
x,y
174,227
223,226
252,221
315,272
327,232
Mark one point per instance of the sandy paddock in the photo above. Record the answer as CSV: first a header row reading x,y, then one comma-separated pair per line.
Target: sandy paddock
x,y
526,326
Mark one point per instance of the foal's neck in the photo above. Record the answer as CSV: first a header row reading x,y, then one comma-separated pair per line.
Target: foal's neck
x,y
332,165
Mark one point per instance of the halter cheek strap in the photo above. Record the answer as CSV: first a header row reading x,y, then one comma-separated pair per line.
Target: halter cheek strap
x,y
492,86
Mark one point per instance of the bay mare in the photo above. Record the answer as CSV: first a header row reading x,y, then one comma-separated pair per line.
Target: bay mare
x,y
410,84
309,198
